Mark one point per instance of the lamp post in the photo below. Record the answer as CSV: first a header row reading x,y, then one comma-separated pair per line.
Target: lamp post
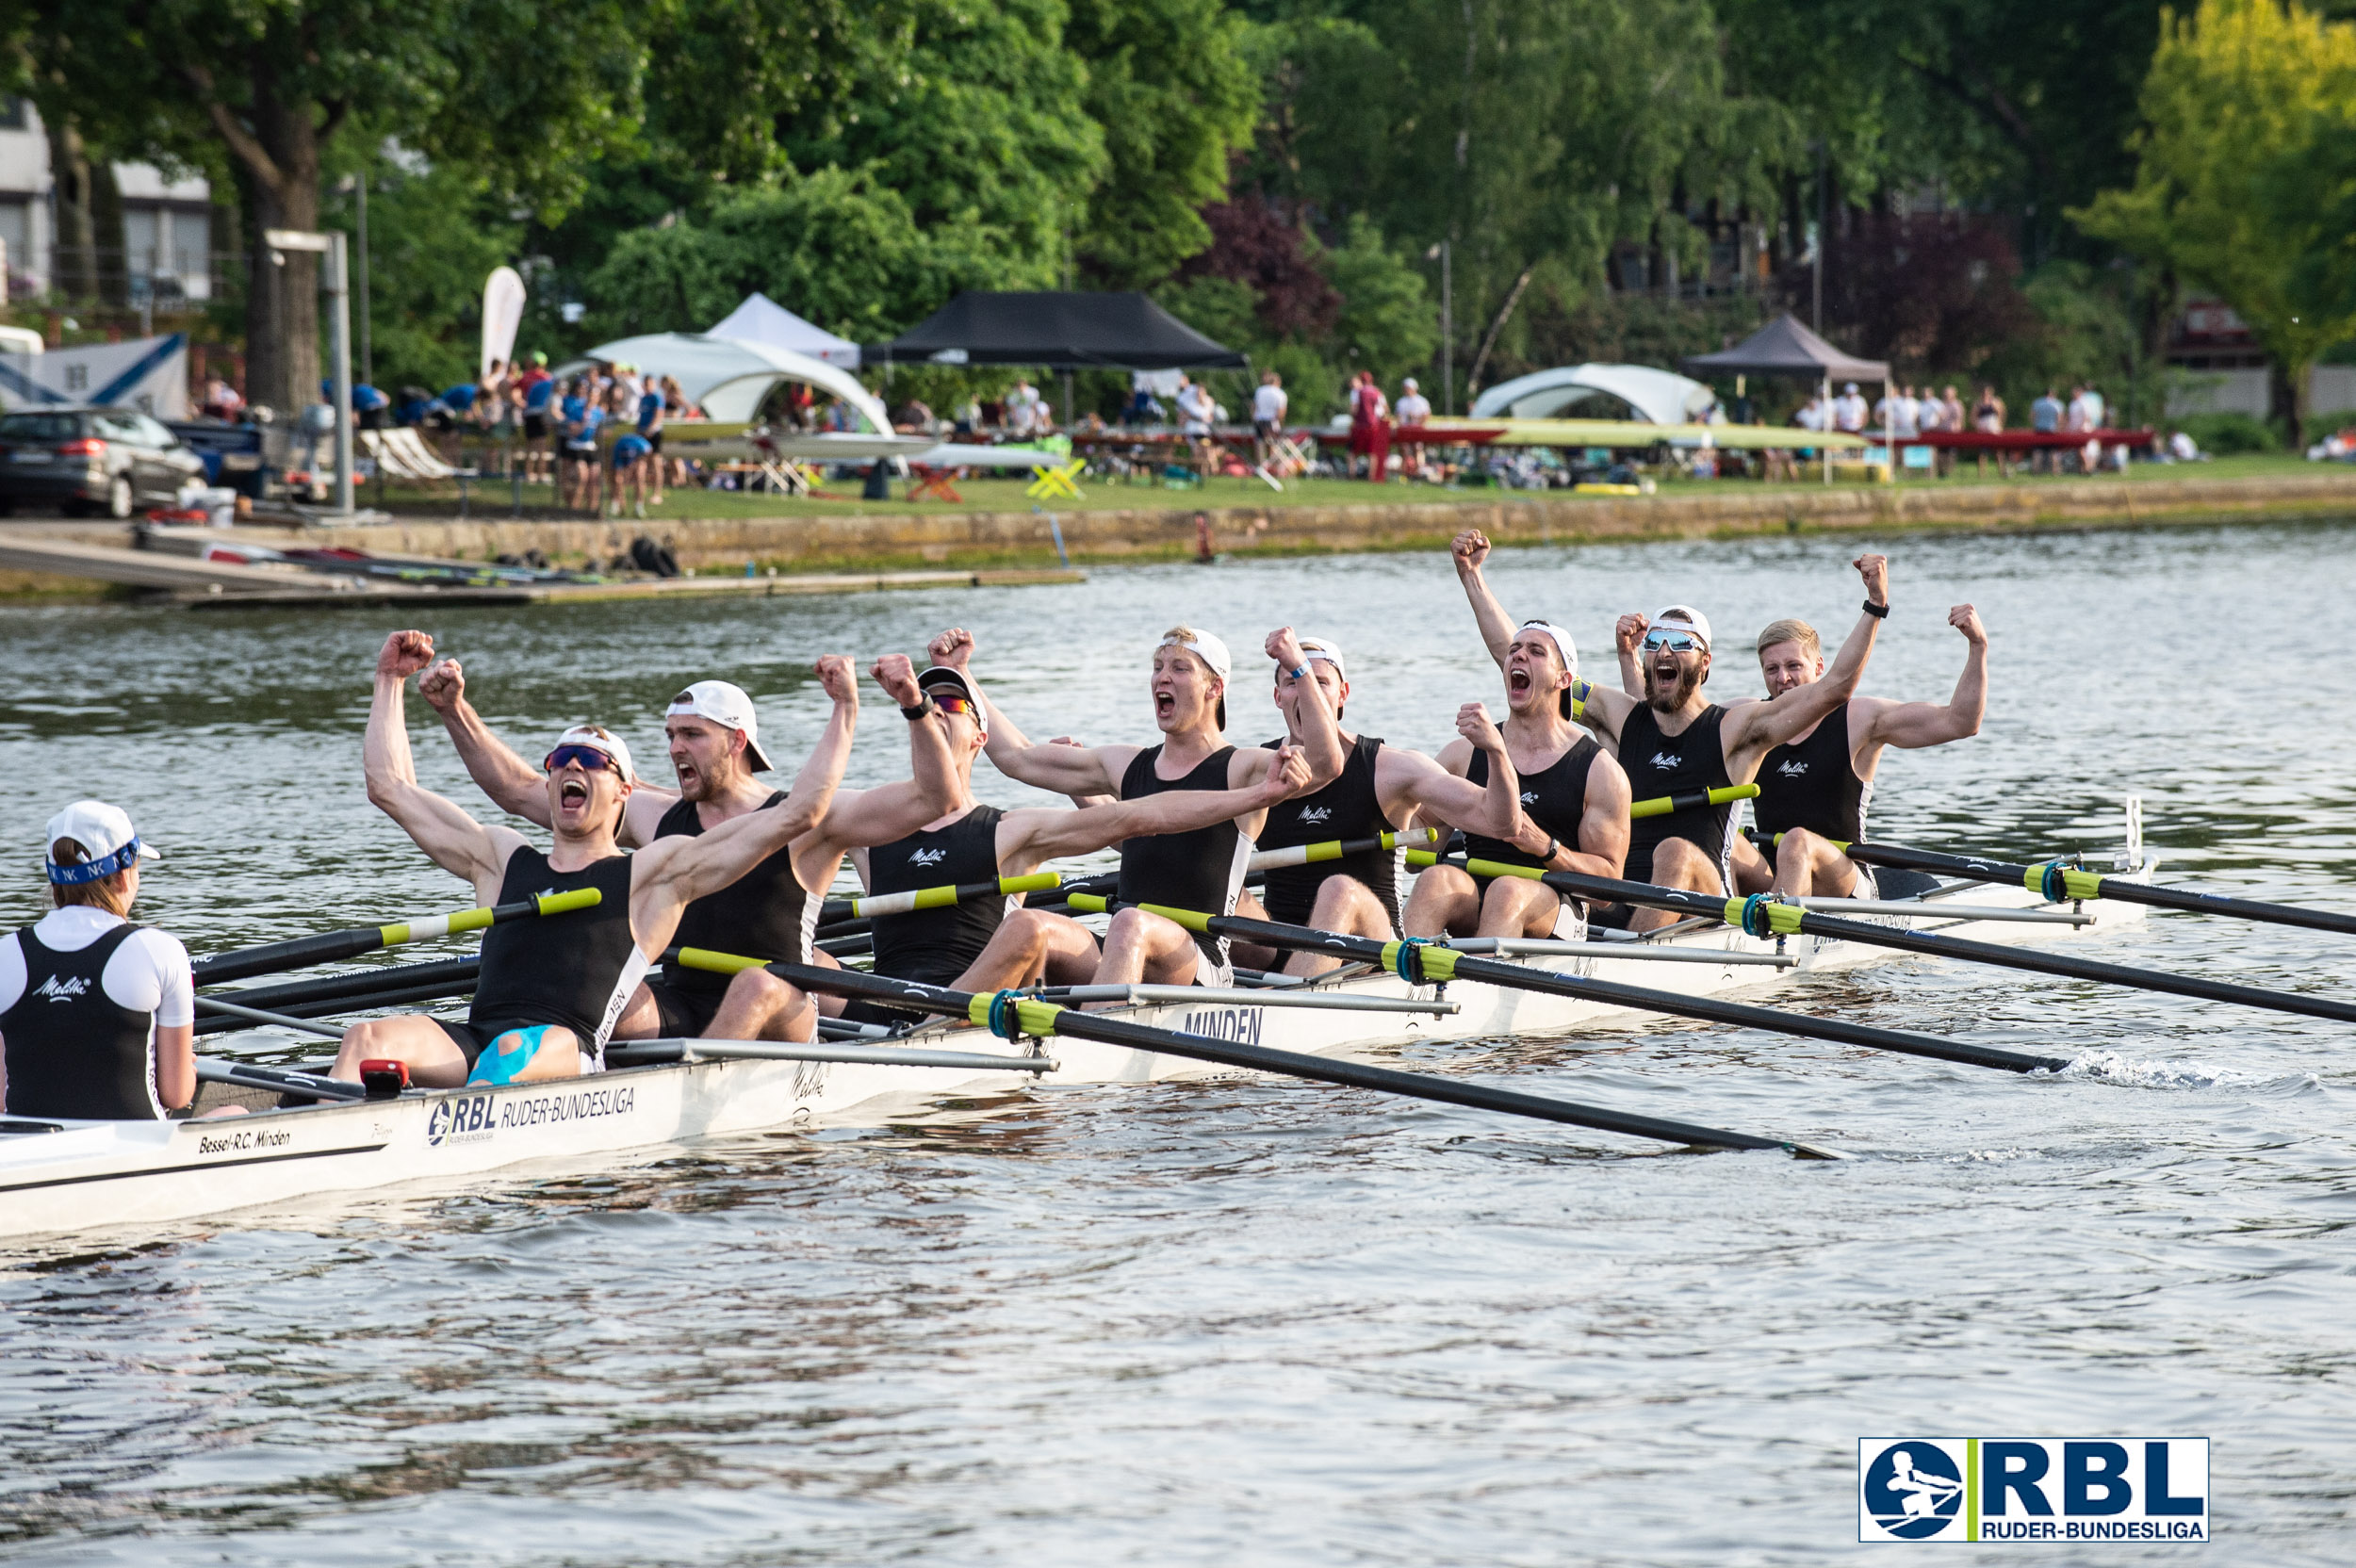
x,y
336,283
1447,326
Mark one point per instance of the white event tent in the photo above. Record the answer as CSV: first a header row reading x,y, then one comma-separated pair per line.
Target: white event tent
x,y
728,376
761,320
1658,397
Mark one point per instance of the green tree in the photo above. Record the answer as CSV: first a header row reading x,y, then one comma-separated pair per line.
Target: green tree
x,y
260,90
2238,93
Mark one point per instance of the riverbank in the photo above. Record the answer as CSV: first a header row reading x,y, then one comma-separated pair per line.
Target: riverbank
x,y
725,533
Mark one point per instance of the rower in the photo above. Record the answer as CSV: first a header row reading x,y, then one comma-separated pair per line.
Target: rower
x,y
1675,743
1574,796
1814,788
97,1016
1201,869
552,989
715,750
1383,788
988,943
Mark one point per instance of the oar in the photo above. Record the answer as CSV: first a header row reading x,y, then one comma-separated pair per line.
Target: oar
x,y
2056,880
1761,916
1425,962
362,981
328,946
1335,849
1012,1015
1661,806
247,1075
257,1015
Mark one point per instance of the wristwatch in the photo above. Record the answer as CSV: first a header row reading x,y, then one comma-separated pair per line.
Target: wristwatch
x,y
922,711
1879,611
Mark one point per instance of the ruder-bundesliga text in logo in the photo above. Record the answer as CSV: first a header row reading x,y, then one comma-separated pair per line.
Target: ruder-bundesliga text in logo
x,y
2033,1488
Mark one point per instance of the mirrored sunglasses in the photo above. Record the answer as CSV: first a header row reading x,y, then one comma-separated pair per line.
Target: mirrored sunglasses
x,y
588,758
1675,639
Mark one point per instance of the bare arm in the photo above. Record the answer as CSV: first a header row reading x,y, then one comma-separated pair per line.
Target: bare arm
x,y
1625,637
1064,770
1753,730
1030,836
1909,724
175,1066
1321,735
1469,551
512,783
1494,810
862,819
451,839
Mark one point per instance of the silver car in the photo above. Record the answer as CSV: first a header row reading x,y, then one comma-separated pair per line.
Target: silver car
x,y
105,462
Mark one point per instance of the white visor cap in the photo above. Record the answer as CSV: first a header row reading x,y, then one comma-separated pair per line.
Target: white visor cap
x,y
1685,615
597,738
1325,648
945,678
1204,647
729,707
1562,644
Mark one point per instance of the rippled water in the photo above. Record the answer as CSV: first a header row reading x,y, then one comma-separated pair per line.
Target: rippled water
x,y
1254,1321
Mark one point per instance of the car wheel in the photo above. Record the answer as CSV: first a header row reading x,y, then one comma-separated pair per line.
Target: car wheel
x,y
118,498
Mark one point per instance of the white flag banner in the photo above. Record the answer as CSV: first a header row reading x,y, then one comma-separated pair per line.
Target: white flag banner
x,y
150,374
503,313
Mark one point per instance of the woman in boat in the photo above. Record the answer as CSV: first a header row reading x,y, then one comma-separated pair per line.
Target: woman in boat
x,y
97,1016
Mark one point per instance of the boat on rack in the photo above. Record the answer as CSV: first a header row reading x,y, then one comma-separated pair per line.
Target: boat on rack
x,y
60,1176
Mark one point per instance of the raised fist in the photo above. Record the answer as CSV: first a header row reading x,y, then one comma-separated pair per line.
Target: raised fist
x,y
1874,569
1470,549
897,676
834,674
953,647
443,684
404,654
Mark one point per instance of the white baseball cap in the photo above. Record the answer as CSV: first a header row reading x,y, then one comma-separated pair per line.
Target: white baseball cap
x,y
1562,644
728,706
597,738
105,835
1204,647
1327,649
939,678
1687,616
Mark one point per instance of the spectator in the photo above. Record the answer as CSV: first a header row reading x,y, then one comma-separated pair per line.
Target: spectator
x,y
1929,414
1415,411
2098,410
1987,416
1950,409
1024,408
1369,426
2180,448
1268,406
370,409
1848,411
913,417
1811,415
2045,418
1144,408
633,452
411,409
583,418
539,390
653,409
222,401
969,416
1197,411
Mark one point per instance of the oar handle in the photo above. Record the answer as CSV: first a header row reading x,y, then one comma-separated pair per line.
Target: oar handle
x,y
868,906
325,948
1661,806
1337,849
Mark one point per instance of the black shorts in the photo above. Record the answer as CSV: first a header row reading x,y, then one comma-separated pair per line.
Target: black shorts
x,y
473,1040
654,438
685,1014
535,427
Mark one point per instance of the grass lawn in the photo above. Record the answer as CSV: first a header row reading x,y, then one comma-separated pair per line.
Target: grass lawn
x,y
491,499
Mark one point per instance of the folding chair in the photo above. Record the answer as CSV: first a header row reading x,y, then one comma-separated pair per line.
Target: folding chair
x,y
1052,479
933,483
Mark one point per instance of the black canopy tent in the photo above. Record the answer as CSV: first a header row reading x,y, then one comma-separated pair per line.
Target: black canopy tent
x,y
1056,331
1785,348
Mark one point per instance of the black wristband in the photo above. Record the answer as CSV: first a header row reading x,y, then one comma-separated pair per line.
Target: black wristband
x,y
922,711
1879,611
1553,844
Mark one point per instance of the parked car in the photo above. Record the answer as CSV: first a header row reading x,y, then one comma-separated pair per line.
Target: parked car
x,y
109,462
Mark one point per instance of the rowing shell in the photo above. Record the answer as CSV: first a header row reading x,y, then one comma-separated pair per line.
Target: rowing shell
x,y
80,1176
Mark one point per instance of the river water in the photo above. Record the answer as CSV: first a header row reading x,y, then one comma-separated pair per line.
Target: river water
x,y
1258,1321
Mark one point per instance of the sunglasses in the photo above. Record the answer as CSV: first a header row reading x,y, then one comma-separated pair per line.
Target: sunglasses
x,y
1671,639
948,704
588,758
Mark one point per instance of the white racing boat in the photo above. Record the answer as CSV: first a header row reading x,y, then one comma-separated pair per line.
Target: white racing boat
x,y
80,1176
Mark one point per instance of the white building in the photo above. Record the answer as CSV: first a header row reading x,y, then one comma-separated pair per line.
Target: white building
x,y
166,244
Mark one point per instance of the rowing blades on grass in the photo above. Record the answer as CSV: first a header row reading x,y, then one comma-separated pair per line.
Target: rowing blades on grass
x,y
1012,1015
2056,880
1420,961
1761,916
328,946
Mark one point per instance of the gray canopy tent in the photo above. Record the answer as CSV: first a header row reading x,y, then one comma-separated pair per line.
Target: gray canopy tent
x,y
1785,348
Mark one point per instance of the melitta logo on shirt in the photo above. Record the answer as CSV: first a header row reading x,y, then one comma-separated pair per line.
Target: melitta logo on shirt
x,y
1792,769
1317,814
64,990
1663,760
928,857
1530,797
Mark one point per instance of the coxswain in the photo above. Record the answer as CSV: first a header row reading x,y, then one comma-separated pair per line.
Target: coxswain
x,y
715,743
988,943
1202,869
551,988
97,1016
1675,743
1574,795
1814,788
1382,790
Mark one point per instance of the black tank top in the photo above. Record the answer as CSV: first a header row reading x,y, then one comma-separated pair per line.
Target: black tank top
x,y
576,969
1657,765
1813,784
1555,799
1347,808
764,913
935,946
73,1050
1202,870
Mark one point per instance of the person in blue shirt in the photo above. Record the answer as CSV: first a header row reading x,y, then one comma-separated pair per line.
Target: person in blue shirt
x,y
651,406
632,454
2045,417
582,421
